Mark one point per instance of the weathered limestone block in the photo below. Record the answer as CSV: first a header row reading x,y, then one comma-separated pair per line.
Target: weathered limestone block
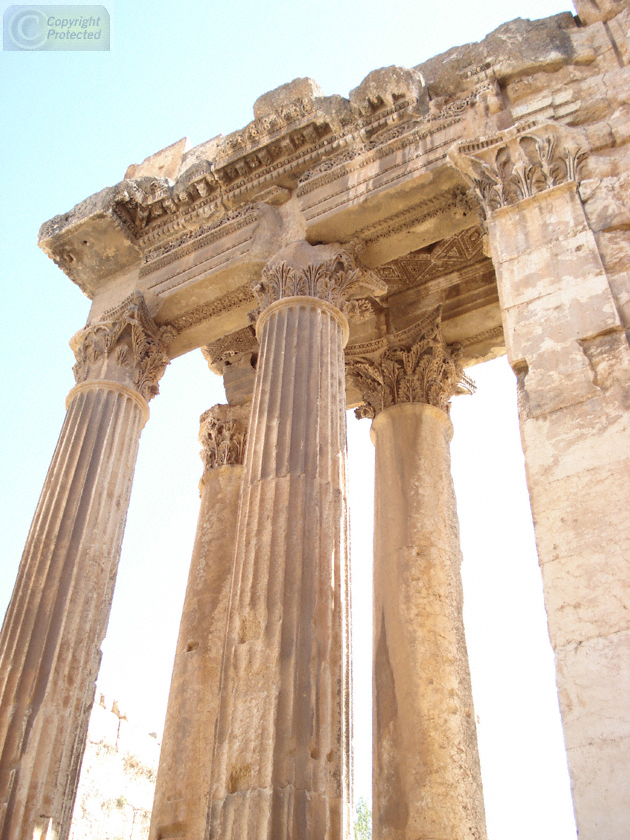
x,y
426,774
386,86
591,11
180,807
285,95
56,621
281,763
566,341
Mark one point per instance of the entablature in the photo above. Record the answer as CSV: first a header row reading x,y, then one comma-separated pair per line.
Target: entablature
x,y
379,173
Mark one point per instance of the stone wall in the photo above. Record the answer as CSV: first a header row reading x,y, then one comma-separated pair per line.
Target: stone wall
x,y
117,779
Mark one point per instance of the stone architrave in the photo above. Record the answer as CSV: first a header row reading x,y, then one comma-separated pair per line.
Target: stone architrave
x,y
282,751
180,807
426,775
56,621
566,343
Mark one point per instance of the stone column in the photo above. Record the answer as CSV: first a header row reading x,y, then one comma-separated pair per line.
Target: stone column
x,y
426,776
282,759
51,637
566,343
182,791
180,807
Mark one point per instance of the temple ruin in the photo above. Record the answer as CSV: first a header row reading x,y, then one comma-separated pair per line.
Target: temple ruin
x,y
347,252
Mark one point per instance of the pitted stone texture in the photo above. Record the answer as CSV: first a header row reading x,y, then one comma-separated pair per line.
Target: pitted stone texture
x,y
386,86
591,11
426,775
56,621
305,89
566,342
281,763
180,807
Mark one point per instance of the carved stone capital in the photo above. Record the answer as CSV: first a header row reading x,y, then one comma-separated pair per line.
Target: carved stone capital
x,y
414,366
223,435
326,272
125,346
520,162
230,348
234,357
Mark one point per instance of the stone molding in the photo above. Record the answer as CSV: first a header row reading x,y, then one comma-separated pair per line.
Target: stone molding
x,y
223,435
330,275
309,302
522,161
109,385
125,344
310,143
423,370
457,253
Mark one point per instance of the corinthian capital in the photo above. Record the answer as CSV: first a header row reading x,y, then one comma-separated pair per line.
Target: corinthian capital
x,y
223,435
126,346
326,272
520,162
414,366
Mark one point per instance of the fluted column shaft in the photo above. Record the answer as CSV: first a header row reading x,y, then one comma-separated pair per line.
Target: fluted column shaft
x,y
56,621
180,806
427,782
281,757
57,617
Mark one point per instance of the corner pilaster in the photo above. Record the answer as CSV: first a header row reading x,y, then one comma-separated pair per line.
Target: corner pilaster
x,y
566,344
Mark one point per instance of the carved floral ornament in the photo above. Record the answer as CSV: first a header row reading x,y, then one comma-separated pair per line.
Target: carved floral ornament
x,y
303,139
426,371
520,162
128,336
336,280
222,439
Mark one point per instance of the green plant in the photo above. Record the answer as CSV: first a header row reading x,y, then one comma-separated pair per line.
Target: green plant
x,y
363,821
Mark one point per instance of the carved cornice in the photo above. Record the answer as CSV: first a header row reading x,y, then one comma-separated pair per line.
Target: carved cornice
x,y
223,436
335,279
520,162
456,198
414,366
304,140
190,241
125,344
230,300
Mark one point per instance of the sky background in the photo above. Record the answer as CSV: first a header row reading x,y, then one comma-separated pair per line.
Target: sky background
x,y
70,124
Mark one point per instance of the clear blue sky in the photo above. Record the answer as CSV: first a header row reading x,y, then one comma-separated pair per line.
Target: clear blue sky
x,y
71,124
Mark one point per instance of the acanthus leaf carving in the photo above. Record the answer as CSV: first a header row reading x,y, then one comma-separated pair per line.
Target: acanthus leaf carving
x,y
125,344
521,162
336,280
425,371
223,436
